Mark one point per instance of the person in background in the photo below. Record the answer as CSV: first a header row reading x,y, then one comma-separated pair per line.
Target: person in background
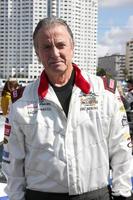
x,y
6,98
129,99
67,129
129,96
8,88
123,96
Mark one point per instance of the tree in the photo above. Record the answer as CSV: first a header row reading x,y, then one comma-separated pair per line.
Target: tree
x,y
125,72
100,72
103,72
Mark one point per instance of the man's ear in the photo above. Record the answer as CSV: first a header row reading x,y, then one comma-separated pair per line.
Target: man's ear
x,y
36,51
39,60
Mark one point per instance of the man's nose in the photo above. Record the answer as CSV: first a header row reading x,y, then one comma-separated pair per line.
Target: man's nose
x,y
55,51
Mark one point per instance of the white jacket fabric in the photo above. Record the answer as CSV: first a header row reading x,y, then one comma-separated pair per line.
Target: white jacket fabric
x,y
45,151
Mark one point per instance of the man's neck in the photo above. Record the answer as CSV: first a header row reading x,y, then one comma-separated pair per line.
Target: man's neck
x,y
60,79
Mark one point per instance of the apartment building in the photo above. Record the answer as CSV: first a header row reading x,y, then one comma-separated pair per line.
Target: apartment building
x,y
129,58
113,64
18,19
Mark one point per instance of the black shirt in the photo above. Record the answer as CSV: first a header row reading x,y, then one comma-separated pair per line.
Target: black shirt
x,y
64,93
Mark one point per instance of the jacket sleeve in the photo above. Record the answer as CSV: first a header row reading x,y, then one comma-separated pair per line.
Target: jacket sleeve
x,y
120,149
13,158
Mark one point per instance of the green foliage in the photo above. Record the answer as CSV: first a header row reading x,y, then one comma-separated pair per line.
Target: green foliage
x,y
100,72
103,72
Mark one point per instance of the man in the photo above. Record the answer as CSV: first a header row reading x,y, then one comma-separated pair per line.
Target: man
x,y
67,129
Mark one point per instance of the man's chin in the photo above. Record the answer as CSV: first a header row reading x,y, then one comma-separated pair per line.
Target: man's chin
x,y
58,67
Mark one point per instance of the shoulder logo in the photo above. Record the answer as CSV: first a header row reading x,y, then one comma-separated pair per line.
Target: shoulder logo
x,y
109,84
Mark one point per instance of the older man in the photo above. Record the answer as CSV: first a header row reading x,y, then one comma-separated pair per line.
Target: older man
x,y
67,129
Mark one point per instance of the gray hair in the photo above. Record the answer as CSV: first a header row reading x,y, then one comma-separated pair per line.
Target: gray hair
x,y
47,22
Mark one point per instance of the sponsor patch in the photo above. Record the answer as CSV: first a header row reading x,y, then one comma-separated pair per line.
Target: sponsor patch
x,y
109,84
89,102
32,109
43,106
7,130
124,121
45,109
44,103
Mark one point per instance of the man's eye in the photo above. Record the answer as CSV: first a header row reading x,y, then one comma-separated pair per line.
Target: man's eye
x,y
46,46
61,45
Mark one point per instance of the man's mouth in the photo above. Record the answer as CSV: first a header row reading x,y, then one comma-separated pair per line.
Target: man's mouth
x,y
55,62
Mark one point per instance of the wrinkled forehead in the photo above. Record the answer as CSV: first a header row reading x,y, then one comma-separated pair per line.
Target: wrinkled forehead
x,y
57,30
53,28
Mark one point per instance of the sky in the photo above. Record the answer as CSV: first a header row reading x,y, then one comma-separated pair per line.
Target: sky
x,y
115,26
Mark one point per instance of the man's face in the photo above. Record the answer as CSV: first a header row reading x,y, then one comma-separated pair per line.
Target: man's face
x,y
55,49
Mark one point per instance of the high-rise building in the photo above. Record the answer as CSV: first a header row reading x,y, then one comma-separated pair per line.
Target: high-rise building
x,y
18,19
129,58
113,64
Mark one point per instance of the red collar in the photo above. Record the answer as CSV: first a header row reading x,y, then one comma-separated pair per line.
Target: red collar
x,y
79,82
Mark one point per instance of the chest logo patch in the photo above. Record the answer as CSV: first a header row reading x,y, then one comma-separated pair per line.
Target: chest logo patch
x,y
89,102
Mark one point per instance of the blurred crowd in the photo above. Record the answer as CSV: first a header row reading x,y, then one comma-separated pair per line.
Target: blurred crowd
x,y
126,93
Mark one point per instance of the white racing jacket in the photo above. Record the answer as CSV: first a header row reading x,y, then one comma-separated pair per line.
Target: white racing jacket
x,y
45,151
